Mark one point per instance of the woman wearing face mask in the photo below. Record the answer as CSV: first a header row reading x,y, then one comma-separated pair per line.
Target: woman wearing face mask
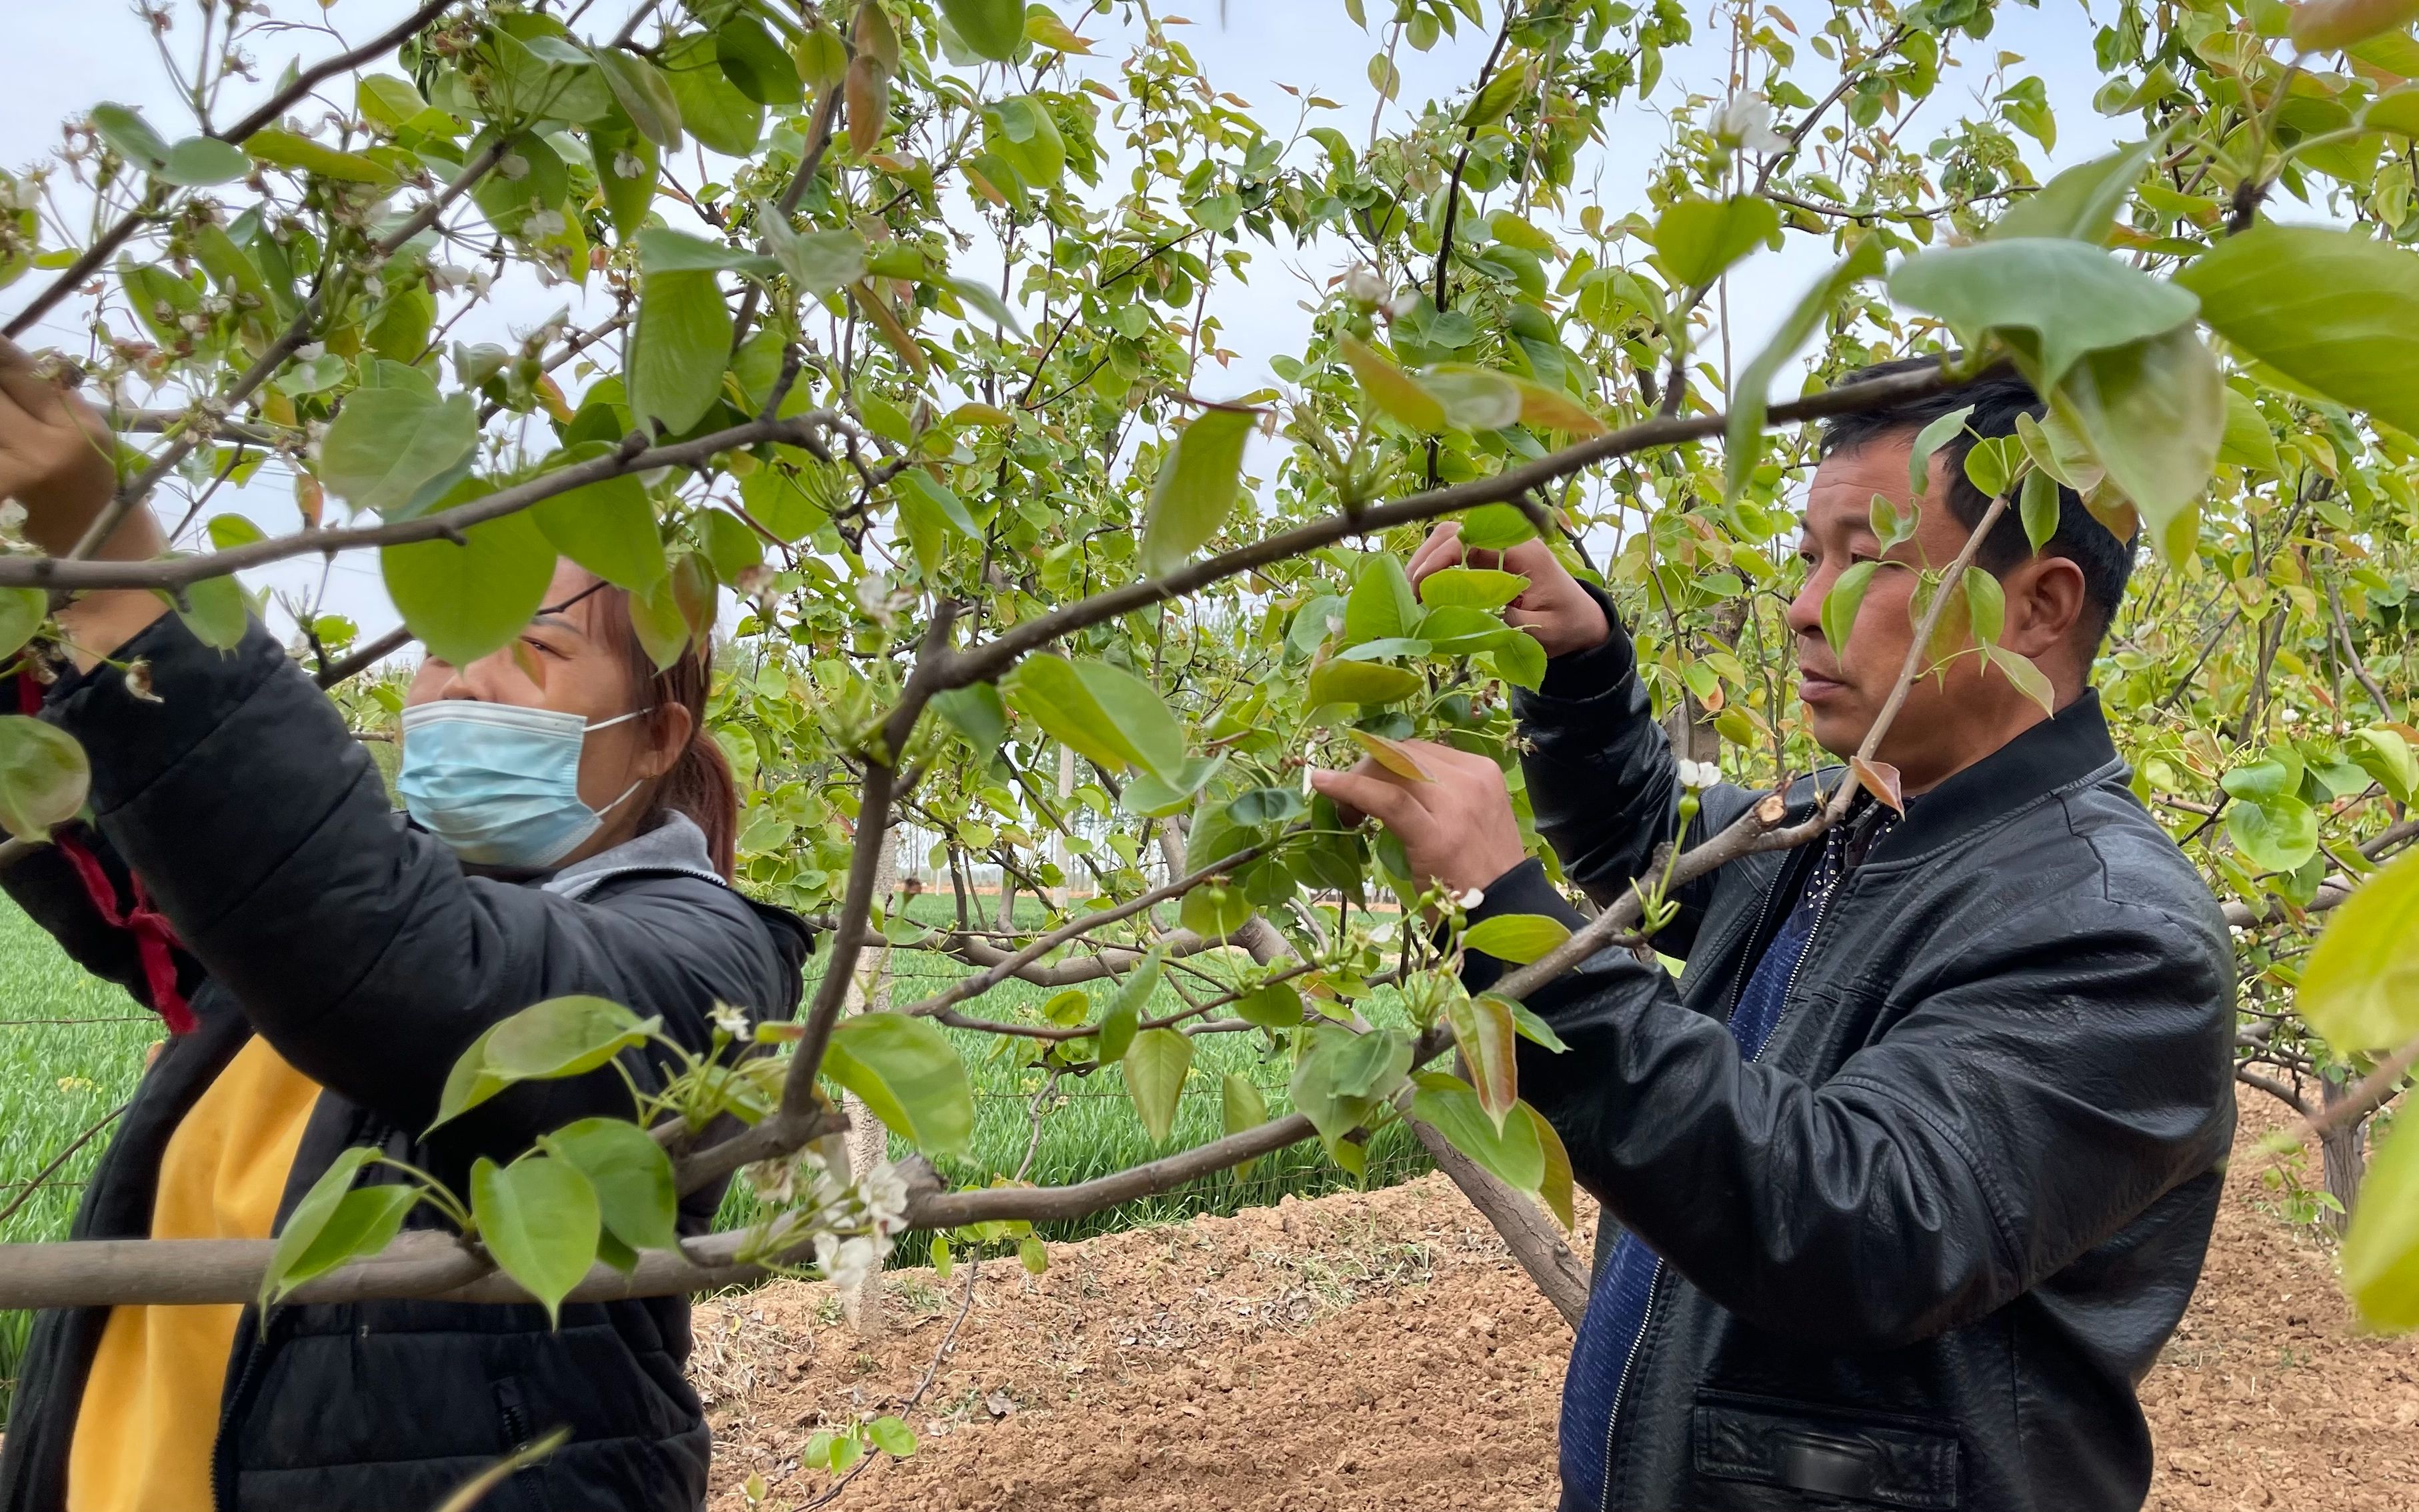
x,y
321,962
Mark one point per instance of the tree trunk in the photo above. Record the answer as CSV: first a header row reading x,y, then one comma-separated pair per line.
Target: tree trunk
x,y
1527,1232
2343,1152
868,1142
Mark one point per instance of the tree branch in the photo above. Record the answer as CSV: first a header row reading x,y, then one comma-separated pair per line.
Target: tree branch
x,y
308,80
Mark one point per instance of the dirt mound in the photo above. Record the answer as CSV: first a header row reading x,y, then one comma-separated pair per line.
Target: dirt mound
x,y
1381,1351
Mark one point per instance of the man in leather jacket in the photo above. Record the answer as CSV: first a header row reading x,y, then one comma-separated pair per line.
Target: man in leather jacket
x,y
1914,1167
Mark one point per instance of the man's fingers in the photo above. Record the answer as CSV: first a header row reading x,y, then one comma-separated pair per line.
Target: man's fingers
x,y
1368,791
1441,548
37,396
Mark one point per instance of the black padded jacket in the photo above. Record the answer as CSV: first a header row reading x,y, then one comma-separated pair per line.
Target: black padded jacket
x,y
1919,1253
307,911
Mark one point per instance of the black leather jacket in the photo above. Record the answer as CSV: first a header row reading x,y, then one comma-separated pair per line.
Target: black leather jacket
x,y
1919,1253
309,914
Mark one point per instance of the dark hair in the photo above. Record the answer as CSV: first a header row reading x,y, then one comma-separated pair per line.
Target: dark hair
x,y
1998,397
699,782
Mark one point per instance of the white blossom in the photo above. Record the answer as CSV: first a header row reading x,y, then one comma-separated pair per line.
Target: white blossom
x,y
729,1021
885,1198
1696,774
627,166
546,222
1472,899
773,1180
1746,122
1364,284
1402,305
512,165
310,351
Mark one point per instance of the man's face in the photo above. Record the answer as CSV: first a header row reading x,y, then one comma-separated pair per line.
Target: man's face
x,y
1844,694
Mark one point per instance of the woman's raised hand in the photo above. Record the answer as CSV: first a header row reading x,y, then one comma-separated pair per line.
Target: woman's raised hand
x,y
56,455
1553,608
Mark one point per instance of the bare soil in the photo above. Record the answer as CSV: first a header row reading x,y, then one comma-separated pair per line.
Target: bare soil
x,y
1381,1351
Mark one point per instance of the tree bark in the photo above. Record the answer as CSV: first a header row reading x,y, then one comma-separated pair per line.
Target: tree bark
x,y
868,1142
2343,1153
1527,1232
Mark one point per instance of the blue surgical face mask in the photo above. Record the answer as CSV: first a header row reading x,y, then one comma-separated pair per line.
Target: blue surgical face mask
x,y
500,784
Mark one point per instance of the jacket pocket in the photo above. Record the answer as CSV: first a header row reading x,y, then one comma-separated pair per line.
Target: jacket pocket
x,y
1856,1458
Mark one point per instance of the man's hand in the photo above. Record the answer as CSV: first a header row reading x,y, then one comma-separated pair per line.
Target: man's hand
x,y
1456,828
1553,608
55,454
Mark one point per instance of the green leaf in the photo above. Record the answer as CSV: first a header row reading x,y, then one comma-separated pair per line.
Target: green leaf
x,y
1495,528
299,1253
754,63
1475,398
2386,755
2030,680
2153,413
1512,1154
1155,1066
1394,393
2272,827
681,349
1483,1030
1932,438
1479,588
1361,682
1370,1065
1519,938
2381,1253
43,776
127,130
282,149
393,451
1534,1029
1840,605
908,1073
645,95
636,1194
1033,1255
2332,26
816,261
2050,300
2039,506
1496,100
928,509
1123,1020
1695,239
539,1220
1752,394
1196,489
1381,606
2248,443
711,107
562,1037
22,612
1107,714
1315,1094
891,1436
464,601
991,28
1274,1006
665,251
199,162
1215,910
608,527
2332,311
1242,1108
2080,204
2361,988
1986,605
216,611
1019,130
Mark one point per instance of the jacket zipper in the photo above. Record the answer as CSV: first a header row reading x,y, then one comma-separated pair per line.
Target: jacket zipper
x,y
1655,1281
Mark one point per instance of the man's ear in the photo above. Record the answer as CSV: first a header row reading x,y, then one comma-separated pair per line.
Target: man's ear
x,y
2046,607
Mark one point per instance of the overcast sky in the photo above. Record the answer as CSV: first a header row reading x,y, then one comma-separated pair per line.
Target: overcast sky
x,y
71,55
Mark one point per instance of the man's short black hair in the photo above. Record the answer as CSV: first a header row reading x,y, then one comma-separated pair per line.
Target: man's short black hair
x,y
1998,397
